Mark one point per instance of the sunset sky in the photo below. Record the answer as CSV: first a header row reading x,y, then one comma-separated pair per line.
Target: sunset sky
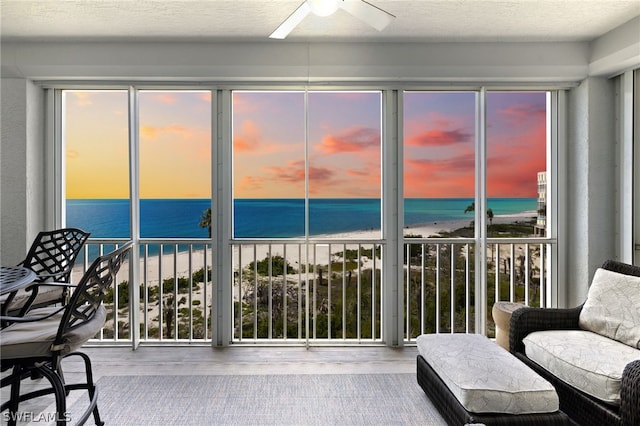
x,y
439,135
269,144
344,149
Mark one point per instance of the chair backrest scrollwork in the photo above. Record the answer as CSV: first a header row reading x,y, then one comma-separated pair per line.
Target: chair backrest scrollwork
x,y
90,291
53,253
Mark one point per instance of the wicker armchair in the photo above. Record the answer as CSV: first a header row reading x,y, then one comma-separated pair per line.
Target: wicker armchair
x,y
582,408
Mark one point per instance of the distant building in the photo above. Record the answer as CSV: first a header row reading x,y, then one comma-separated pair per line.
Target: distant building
x,y
541,222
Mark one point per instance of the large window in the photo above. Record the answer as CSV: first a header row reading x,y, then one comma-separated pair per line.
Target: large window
x,y
439,163
306,163
516,162
174,166
96,142
268,164
289,218
344,162
440,149
462,150
175,162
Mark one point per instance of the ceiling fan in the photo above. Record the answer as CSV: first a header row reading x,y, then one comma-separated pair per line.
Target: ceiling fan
x,y
361,9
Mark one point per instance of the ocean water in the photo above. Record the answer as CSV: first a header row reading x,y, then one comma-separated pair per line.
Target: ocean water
x,y
268,218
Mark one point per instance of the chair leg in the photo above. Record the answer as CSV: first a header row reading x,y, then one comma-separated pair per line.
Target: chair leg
x,y
14,401
91,390
59,391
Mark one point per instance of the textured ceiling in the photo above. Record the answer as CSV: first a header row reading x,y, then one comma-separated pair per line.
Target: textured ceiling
x,y
251,20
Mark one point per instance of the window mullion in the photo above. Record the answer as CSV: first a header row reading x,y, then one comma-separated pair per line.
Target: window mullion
x,y
58,177
222,220
134,211
392,218
480,212
307,314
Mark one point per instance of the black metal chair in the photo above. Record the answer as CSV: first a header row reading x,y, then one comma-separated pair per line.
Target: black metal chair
x,y
51,256
38,343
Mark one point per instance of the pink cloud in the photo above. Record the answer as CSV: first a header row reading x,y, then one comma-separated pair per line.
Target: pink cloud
x,y
250,183
351,140
166,98
520,113
286,174
512,167
243,104
152,132
437,137
454,165
295,172
247,138
320,174
452,177
357,173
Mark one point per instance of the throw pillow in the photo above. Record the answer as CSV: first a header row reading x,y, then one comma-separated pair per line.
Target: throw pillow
x,y
612,308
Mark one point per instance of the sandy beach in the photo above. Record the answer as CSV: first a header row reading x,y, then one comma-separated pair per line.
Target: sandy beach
x,y
162,267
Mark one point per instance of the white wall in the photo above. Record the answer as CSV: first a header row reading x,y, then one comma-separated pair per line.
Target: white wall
x,y
22,168
616,51
591,184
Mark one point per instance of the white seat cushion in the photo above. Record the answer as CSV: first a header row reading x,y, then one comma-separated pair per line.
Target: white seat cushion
x,y
45,294
34,339
484,377
587,361
612,308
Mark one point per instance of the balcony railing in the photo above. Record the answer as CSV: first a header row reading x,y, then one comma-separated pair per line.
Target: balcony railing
x,y
299,292
331,291
440,282
174,289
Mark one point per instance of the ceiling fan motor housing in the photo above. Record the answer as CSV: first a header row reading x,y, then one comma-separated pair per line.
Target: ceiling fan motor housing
x,y
323,7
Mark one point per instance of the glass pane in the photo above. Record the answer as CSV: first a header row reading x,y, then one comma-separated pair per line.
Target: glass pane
x,y
439,164
344,163
268,164
516,163
175,163
96,144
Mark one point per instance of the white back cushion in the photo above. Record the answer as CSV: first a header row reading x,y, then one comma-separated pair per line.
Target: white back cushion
x,y
612,308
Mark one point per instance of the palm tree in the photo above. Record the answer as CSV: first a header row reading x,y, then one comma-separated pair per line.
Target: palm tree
x,y
205,220
472,207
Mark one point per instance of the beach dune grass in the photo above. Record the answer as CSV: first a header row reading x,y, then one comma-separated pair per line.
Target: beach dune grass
x,y
332,300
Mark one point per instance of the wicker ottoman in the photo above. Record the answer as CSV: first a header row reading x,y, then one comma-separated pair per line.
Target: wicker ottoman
x,y
470,379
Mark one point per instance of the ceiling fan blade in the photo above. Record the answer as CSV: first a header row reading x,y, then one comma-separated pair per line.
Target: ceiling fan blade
x,y
367,13
291,22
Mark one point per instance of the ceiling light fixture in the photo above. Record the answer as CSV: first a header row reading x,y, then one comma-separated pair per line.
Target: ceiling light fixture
x,y
361,9
323,7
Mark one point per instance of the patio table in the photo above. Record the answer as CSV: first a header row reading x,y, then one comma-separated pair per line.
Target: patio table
x,y
13,278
